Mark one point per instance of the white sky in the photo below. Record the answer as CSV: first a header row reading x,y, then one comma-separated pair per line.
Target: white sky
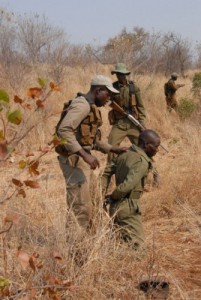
x,y
94,21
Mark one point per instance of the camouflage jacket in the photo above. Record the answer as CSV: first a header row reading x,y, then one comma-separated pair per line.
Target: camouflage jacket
x,y
79,128
131,170
170,88
130,100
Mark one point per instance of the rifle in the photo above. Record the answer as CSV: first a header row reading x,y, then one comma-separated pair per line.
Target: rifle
x,y
133,120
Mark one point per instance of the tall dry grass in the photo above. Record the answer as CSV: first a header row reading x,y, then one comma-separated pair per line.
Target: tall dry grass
x,y
98,266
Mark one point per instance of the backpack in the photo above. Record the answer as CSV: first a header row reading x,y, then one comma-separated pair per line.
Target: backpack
x,y
65,110
60,149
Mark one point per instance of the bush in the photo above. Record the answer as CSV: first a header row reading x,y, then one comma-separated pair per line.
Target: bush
x,y
186,108
196,89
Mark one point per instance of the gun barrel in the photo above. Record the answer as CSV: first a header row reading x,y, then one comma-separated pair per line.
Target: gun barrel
x,y
163,148
135,121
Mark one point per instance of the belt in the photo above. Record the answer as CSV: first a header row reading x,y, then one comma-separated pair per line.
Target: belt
x,y
61,150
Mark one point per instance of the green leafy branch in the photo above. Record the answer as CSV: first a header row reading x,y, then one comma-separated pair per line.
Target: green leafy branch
x,y
18,122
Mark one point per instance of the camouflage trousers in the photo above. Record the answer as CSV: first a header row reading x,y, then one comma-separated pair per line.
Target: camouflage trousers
x,y
77,175
127,216
171,103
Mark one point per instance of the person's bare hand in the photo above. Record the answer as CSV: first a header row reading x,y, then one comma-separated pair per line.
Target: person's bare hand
x,y
119,150
89,159
92,161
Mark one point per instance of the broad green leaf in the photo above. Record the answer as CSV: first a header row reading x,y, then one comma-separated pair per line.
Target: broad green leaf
x,y
15,117
4,96
42,82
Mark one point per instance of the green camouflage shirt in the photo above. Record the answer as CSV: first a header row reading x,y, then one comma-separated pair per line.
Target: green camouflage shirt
x,y
131,170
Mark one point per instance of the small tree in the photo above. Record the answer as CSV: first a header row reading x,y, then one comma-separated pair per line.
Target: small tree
x,y
196,89
41,43
19,116
13,67
176,53
126,47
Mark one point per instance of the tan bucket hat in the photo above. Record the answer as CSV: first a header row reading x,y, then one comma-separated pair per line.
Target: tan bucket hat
x,y
120,68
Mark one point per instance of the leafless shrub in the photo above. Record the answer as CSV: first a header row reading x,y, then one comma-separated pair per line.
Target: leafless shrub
x,y
13,67
176,53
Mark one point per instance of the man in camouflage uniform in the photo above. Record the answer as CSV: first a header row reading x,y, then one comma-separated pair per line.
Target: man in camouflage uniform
x,y
170,89
131,169
130,100
79,127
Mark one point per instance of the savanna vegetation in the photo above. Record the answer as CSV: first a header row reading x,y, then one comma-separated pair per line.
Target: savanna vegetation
x,y
40,70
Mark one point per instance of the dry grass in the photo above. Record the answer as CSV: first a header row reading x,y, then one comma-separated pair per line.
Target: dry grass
x,y
108,269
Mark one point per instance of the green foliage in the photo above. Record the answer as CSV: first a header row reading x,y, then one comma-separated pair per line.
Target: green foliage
x,y
196,89
22,111
58,141
186,108
42,82
15,117
4,96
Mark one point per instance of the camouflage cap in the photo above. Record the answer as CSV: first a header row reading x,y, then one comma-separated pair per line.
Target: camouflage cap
x,y
120,68
174,74
101,80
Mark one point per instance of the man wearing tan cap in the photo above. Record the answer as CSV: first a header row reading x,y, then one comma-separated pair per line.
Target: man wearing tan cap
x,y
79,125
129,99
